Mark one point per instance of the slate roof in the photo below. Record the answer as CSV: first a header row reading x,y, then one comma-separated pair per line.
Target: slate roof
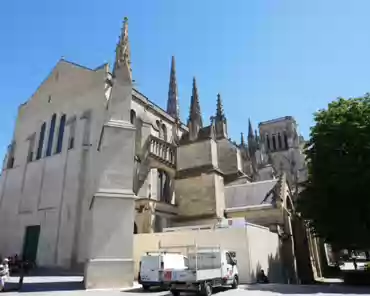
x,y
249,194
203,134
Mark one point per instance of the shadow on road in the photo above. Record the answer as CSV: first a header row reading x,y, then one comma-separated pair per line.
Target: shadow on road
x,y
42,284
50,272
161,292
309,289
142,291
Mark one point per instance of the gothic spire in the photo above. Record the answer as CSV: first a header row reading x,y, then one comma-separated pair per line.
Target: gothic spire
x,y
220,114
195,116
173,102
250,129
123,54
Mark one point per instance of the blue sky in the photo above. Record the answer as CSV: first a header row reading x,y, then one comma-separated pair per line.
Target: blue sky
x,y
267,58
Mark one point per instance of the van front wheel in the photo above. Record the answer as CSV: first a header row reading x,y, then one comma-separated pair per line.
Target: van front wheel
x,y
235,283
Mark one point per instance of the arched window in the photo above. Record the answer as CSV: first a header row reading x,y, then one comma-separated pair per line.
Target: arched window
x,y
31,147
41,141
132,116
72,133
160,131
286,140
11,153
167,189
268,142
160,185
164,131
273,142
280,144
51,135
164,187
62,124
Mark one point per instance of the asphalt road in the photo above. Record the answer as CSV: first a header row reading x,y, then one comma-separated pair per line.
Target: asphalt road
x,y
72,286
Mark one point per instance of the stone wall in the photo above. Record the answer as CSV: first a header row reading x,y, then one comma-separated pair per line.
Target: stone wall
x,y
197,154
200,195
54,191
252,241
229,160
262,241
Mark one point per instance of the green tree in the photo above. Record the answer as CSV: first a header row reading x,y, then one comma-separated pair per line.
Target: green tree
x,y
336,198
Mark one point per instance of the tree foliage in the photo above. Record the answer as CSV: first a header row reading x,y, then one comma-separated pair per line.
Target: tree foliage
x,y
336,197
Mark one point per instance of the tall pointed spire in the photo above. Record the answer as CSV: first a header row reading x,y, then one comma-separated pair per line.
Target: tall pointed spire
x,y
173,101
220,114
123,53
195,115
250,129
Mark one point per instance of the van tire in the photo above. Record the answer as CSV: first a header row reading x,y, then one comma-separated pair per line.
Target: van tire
x,y
235,283
146,287
175,293
207,289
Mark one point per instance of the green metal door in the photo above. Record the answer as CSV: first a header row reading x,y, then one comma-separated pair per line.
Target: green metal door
x,y
31,241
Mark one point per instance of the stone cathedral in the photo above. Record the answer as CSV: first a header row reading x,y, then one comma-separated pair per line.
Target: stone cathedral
x,y
91,157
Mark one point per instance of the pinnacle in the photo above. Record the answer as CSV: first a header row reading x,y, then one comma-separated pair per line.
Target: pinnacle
x,y
242,142
220,114
123,54
195,113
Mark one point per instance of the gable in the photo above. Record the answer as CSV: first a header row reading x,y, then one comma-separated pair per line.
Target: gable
x,y
64,77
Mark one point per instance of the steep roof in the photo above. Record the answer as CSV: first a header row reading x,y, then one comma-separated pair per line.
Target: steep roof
x,y
249,194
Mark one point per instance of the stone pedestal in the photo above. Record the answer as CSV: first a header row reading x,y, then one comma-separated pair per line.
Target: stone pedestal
x,y
110,264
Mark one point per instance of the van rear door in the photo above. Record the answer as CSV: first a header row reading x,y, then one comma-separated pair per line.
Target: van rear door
x,y
149,269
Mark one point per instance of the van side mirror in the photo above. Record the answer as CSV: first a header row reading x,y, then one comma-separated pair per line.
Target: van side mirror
x,y
235,262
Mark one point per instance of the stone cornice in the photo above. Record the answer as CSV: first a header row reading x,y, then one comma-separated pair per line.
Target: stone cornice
x,y
197,171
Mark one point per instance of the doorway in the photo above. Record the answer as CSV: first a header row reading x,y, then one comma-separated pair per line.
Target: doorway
x,y
30,244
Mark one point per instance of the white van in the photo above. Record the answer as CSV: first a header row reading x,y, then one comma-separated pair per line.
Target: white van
x,y
152,266
208,268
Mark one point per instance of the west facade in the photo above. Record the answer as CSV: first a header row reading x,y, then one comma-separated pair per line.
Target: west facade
x,y
65,148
